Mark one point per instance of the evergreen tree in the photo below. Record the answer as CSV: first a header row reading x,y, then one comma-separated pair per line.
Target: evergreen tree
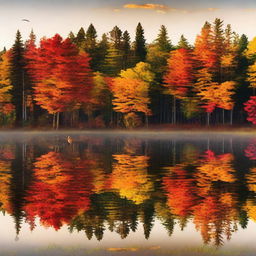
x,y
126,47
72,37
2,52
158,53
140,44
91,46
90,37
114,58
18,77
243,43
219,46
102,52
183,43
116,37
163,41
80,38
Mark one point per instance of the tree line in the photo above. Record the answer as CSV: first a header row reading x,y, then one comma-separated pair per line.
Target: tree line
x,y
83,81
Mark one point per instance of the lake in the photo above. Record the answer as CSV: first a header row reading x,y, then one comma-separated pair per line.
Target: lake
x,y
144,193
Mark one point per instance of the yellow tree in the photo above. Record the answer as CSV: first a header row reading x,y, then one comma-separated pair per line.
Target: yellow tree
x,y
6,107
131,93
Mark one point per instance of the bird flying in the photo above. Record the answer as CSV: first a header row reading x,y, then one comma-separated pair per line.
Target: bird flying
x,y
26,20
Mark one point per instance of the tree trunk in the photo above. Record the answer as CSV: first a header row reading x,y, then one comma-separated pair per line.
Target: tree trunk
x,y
146,119
231,117
53,120
174,111
58,121
223,116
208,118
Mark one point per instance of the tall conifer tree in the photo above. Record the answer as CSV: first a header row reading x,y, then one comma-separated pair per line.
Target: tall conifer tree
x,y
18,77
140,44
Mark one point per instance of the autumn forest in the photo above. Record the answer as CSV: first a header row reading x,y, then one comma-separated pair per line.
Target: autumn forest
x,y
84,81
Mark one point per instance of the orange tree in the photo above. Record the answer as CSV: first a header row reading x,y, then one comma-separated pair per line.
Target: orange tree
x,y
179,76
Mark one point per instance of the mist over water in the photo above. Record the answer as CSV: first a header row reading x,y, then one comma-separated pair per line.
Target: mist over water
x,y
128,193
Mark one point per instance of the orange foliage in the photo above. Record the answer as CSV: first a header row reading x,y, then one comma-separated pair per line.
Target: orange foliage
x,y
60,191
130,178
180,74
204,49
180,191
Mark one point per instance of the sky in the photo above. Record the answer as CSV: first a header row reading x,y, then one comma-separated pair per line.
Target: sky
x,y
48,17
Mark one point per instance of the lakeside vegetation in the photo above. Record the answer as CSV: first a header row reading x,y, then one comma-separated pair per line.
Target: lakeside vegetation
x,y
84,82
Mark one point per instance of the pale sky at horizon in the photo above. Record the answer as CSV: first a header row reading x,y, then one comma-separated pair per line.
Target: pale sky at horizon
x,y
180,17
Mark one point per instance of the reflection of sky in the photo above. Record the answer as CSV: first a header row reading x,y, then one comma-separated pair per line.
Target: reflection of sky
x,y
42,238
180,16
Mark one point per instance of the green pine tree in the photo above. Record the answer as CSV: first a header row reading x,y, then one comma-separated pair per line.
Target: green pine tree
x,y
72,37
140,45
126,47
17,76
183,43
163,41
116,37
80,38
91,46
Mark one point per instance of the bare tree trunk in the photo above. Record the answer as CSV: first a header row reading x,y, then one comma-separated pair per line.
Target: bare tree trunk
x,y
174,111
53,120
223,116
208,119
58,121
231,117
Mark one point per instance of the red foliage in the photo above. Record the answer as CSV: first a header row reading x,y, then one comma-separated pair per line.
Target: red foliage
x,y
250,108
180,190
62,74
250,151
60,191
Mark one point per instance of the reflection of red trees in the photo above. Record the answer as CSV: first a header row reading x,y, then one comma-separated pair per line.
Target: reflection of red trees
x,y
250,151
180,191
60,191
214,168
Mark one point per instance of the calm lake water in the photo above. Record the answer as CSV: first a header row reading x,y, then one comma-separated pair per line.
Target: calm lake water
x,y
127,194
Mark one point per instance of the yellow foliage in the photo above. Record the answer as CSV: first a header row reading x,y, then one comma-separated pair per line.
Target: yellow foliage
x,y
130,177
251,180
250,208
252,75
251,49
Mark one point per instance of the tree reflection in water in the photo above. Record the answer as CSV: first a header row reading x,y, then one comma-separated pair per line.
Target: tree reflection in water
x,y
99,183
